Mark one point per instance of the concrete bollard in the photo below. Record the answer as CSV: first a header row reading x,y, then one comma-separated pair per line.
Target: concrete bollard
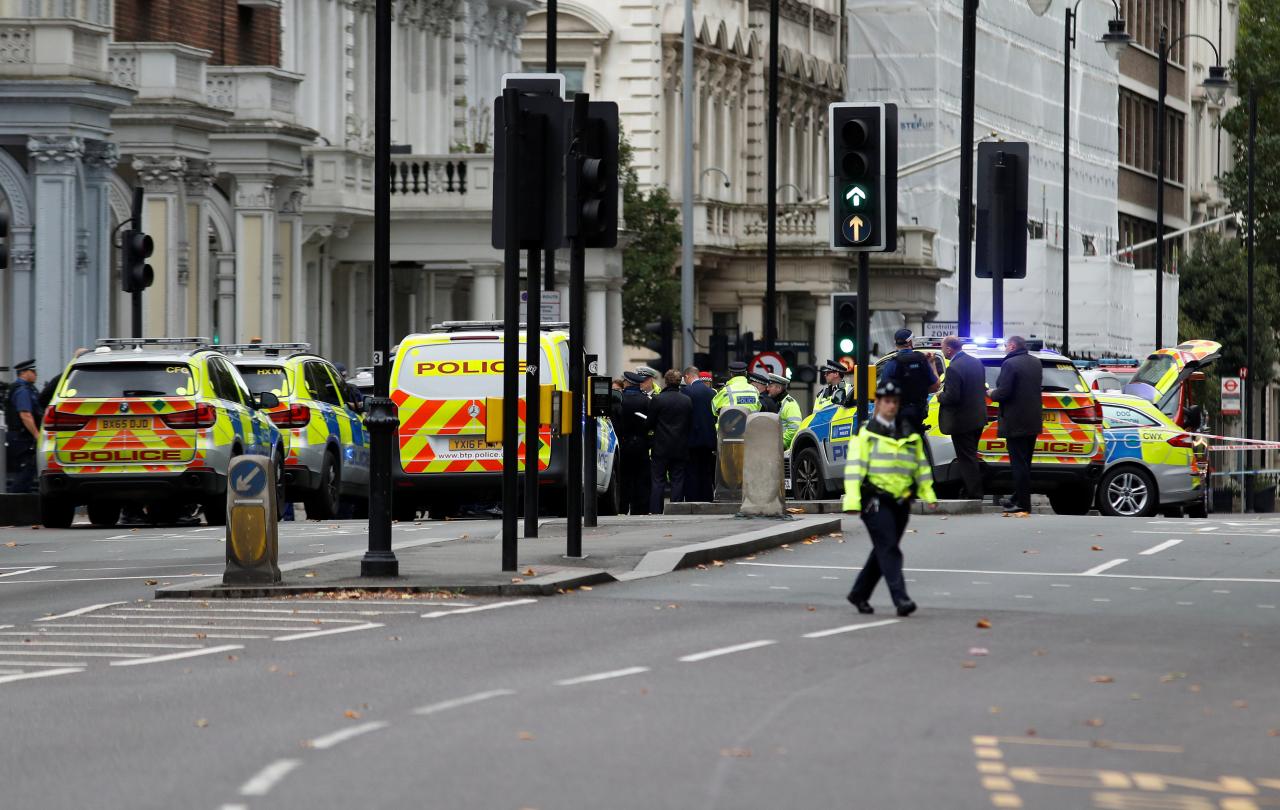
x,y
730,429
762,492
253,543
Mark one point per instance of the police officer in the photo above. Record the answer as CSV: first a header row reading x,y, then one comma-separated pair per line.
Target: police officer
x,y
833,392
632,426
886,471
22,415
915,379
788,408
737,392
760,382
655,379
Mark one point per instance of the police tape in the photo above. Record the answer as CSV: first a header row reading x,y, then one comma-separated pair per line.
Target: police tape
x,y
1236,442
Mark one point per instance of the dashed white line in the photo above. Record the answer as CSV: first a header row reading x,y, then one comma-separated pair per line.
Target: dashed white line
x,y
341,736
1221,591
1186,604
602,676
1059,585
48,673
31,642
1156,549
849,628
330,632
29,570
158,615
716,653
1101,600
779,588
267,778
28,664
77,654
1056,574
42,633
200,627
438,613
1267,607
446,705
1106,566
79,611
1023,596
157,659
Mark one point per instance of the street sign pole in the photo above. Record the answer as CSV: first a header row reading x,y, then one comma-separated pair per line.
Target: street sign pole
x,y
577,333
532,400
511,329
590,427
863,349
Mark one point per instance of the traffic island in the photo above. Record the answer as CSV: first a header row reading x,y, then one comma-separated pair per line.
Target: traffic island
x,y
618,550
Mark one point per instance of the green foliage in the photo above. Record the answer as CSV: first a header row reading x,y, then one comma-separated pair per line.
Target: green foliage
x,y
651,288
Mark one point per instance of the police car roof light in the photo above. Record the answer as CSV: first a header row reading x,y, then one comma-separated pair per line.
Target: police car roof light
x,y
1118,361
271,349
491,326
138,343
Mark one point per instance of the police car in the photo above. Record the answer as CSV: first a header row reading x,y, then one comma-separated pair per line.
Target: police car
x,y
328,447
153,423
440,382
1152,464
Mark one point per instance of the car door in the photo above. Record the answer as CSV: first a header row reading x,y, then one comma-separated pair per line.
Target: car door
x,y
352,437
225,389
264,431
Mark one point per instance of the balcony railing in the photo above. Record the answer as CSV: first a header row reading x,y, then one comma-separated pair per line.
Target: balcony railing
x,y
342,179
735,225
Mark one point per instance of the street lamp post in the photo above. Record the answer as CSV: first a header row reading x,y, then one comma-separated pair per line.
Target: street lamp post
x,y
1215,86
1248,340
1116,40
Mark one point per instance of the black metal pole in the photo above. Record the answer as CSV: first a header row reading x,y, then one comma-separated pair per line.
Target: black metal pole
x,y
862,354
549,266
590,454
532,391
135,297
1248,363
1000,180
379,560
771,189
1068,43
510,331
1163,46
965,269
577,334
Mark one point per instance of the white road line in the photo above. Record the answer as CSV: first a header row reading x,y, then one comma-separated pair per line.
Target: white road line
x,y
1106,566
1161,547
1023,596
42,633
849,628
234,807
1059,585
267,778
446,705
1100,599
30,570
1209,529
330,632
77,654
1268,607
1029,573
342,735
98,579
736,648
158,659
29,664
602,676
48,673
201,627
779,588
34,643
158,611
1186,604
438,613
1221,591
79,611
157,616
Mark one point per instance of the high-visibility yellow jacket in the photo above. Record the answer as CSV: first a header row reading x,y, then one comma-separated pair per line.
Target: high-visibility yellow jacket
x,y
738,392
896,466
827,395
789,413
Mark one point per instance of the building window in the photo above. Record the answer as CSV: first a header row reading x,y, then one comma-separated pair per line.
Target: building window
x,y
574,75
1144,19
1137,127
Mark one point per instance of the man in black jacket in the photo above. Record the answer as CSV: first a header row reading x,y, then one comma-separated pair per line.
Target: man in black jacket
x,y
670,415
962,410
700,472
1021,420
632,426
914,376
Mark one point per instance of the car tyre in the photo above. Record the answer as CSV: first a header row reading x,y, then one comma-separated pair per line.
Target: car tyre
x,y
325,502
56,513
1128,492
1071,501
104,515
807,483
282,502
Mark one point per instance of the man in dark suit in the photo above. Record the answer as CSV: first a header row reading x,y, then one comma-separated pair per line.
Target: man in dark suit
x,y
670,415
700,474
631,423
1021,419
962,411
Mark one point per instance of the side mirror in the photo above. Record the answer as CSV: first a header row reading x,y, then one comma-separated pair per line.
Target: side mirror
x,y
265,401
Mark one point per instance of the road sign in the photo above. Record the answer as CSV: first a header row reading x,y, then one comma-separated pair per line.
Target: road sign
x,y
1231,390
550,309
249,483
940,329
768,363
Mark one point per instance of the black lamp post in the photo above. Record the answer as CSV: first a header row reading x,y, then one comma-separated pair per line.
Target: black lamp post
x,y
1215,86
1116,40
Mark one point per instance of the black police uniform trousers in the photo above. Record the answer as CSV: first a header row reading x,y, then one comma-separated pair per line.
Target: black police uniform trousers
x,y
965,443
21,461
660,468
1021,448
700,474
886,522
635,478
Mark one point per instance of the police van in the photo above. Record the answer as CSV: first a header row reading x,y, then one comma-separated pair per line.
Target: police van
x,y
440,381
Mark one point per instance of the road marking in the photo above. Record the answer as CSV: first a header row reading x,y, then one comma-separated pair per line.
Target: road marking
x,y
330,632
716,653
30,570
77,654
79,611
158,659
48,673
1209,529
1161,547
779,588
1101,600
1023,596
1186,604
1221,591
1059,585
158,615
446,705
1268,607
602,676
1106,566
1028,573
99,579
1136,588
41,633
495,606
32,643
267,778
201,627
341,736
831,577
163,610
849,628
1119,746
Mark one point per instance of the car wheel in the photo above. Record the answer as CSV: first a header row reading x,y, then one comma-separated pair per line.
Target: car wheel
x,y
1128,492
104,515
325,501
807,483
56,513
1071,501
281,490
607,502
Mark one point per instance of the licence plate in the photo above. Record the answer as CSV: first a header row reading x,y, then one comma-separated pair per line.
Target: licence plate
x,y
472,444
126,423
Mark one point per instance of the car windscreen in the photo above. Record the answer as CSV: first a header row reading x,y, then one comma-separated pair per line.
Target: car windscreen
x,y
263,378
110,380
1059,376
463,369
1154,369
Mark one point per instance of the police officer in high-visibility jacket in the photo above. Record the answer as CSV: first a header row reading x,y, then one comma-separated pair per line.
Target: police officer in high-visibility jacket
x,y
737,392
833,393
886,471
788,408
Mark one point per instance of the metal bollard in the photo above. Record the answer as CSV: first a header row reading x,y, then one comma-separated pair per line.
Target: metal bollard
x,y
729,436
253,542
762,492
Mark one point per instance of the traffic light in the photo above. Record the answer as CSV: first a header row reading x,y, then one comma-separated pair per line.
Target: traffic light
x,y
135,274
864,175
592,212
4,241
541,135
1002,209
662,343
844,310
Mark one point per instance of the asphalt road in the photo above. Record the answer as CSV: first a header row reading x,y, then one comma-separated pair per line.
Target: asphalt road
x,y
1128,664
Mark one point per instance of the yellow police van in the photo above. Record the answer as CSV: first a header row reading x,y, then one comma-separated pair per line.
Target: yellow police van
x,y
440,382
153,423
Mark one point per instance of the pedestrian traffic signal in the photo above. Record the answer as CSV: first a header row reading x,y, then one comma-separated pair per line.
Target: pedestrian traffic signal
x,y
540,131
863,175
135,274
844,309
592,211
1002,209
663,333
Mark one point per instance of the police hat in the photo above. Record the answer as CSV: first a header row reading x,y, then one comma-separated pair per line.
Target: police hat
x,y
26,365
634,377
737,367
902,336
778,379
887,388
834,367
757,377
646,371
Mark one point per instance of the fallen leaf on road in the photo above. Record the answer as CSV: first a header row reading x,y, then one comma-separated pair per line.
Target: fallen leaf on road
x,y
1096,548
717,563
994,710
939,532
1195,687
309,574
739,753
1103,679
1240,704
516,580
811,608
149,581
273,668
1097,535
1172,676
201,723
810,542
701,567
351,715
529,572
795,510
233,658
673,605
752,557
984,624
393,638
11,544
1135,696
970,664
841,534
1031,732
1022,514
978,651
786,545
1095,722
1273,732
1030,551
585,587
525,736
666,535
